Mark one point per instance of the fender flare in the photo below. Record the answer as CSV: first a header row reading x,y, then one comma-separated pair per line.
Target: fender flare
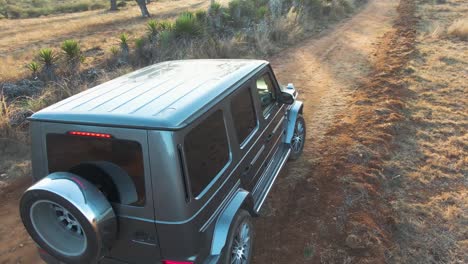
x,y
293,112
241,198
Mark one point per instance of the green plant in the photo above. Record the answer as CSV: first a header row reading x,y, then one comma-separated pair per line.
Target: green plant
x,y
71,48
139,43
187,25
262,12
124,42
165,38
114,50
201,15
166,25
215,8
33,67
152,30
47,57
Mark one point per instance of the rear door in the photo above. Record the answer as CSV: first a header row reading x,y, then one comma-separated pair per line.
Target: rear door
x,y
126,148
258,121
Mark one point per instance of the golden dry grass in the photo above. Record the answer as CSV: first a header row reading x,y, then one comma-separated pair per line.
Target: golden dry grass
x,y
429,170
22,38
459,29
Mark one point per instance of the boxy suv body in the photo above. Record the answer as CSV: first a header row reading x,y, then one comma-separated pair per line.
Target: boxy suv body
x,y
163,165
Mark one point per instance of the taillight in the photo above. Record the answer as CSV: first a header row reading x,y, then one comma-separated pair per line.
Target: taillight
x,y
176,262
89,134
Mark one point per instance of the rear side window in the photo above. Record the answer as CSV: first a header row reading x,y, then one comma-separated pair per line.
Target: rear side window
x,y
73,153
206,151
243,113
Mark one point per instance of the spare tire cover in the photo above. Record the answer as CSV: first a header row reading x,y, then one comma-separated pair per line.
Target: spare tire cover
x,y
69,218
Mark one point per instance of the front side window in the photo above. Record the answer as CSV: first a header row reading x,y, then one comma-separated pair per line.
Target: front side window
x,y
266,92
206,150
243,113
92,158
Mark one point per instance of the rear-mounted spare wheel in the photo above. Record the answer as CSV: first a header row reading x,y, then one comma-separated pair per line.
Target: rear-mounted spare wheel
x,y
69,218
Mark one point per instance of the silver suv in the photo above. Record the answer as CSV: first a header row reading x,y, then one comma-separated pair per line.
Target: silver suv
x,y
167,164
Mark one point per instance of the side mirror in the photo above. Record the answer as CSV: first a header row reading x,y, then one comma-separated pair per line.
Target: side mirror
x,y
286,98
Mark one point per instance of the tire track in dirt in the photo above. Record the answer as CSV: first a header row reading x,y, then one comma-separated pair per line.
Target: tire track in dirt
x,y
307,215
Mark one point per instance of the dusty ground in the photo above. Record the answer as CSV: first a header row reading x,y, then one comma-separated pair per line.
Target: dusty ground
x,y
97,31
383,178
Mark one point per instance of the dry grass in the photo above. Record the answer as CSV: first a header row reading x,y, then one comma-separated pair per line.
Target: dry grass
x,y
459,29
95,30
429,190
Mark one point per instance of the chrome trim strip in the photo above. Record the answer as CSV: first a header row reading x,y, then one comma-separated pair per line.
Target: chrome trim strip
x,y
278,125
285,158
257,155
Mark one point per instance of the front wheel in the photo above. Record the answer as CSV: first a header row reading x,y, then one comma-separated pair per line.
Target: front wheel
x,y
239,245
298,139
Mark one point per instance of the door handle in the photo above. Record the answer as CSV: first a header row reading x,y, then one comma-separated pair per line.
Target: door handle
x,y
269,137
246,170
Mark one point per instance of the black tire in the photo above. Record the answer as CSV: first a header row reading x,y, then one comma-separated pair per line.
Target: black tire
x,y
242,217
69,218
297,152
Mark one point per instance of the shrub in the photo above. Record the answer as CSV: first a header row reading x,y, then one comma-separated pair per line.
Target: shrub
x,y
114,50
124,42
310,8
48,59
201,16
71,48
152,30
459,29
215,8
186,25
47,56
242,11
165,25
165,38
139,43
33,67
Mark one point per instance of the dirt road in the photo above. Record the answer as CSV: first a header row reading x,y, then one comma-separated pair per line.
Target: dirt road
x,y
327,71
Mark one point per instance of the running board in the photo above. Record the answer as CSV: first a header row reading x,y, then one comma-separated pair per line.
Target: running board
x,y
274,171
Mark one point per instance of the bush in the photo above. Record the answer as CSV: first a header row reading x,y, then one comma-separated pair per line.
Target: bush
x,y
33,67
186,25
71,49
165,38
310,8
48,59
201,16
152,30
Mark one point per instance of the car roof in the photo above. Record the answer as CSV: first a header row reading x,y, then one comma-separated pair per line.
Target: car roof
x,y
161,96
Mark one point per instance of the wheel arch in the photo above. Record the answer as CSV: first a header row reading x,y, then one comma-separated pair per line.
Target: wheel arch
x,y
295,110
241,200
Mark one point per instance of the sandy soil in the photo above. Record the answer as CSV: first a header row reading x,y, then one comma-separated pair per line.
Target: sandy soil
x,y
325,207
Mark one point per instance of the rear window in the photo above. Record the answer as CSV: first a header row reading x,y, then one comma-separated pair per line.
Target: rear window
x,y
68,152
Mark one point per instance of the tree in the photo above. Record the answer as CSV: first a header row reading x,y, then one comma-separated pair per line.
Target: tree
x,y
113,5
143,8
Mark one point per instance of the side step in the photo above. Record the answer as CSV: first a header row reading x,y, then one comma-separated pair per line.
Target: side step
x,y
269,176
